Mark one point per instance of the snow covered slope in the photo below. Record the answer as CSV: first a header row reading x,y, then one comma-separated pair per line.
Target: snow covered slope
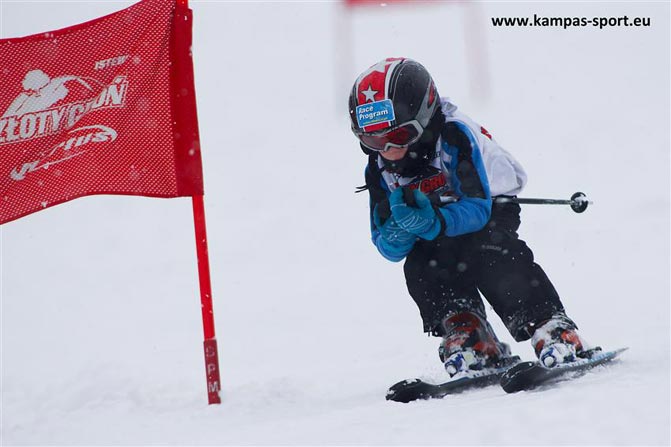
x,y
101,336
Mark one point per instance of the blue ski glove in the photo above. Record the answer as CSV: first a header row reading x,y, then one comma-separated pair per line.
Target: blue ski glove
x,y
412,211
394,243
391,231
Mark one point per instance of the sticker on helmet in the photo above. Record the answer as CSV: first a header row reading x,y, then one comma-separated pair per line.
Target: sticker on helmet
x,y
375,112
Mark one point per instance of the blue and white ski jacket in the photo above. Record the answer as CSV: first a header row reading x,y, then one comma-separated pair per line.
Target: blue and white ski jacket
x,y
469,166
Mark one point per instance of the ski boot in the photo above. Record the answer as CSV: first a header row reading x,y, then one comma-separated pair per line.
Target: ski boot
x,y
469,344
556,341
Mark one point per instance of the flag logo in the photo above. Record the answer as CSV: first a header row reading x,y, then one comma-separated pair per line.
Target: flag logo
x,y
53,106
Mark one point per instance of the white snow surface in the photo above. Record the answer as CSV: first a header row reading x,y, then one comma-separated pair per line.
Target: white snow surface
x,y
101,330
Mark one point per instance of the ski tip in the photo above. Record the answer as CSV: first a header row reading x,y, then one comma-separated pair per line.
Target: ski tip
x,y
616,352
610,353
403,391
403,384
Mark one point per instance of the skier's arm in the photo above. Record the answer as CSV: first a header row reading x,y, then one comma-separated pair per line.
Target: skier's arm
x,y
469,180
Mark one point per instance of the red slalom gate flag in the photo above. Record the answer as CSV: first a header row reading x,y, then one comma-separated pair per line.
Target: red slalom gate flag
x,y
106,107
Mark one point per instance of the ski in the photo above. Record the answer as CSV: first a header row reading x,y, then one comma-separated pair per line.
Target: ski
x,y
413,389
529,375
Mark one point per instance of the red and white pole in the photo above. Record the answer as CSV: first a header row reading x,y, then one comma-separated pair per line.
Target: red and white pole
x,y
210,343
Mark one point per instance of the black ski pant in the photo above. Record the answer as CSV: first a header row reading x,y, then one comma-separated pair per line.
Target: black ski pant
x,y
445,275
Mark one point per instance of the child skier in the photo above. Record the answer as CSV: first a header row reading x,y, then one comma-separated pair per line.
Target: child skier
x,y
420,149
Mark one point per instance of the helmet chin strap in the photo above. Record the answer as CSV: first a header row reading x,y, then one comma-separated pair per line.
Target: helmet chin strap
x,y
413,162
419,154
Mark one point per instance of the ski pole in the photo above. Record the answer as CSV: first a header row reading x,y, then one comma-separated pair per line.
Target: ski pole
x,y
578,201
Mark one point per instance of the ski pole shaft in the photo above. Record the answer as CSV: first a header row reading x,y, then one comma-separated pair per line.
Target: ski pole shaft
x,y
529,201
578,201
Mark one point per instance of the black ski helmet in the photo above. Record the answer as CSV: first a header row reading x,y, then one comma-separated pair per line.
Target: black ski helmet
x,y
395,103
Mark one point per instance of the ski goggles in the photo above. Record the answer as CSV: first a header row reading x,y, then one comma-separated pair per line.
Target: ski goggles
x,y
400,136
